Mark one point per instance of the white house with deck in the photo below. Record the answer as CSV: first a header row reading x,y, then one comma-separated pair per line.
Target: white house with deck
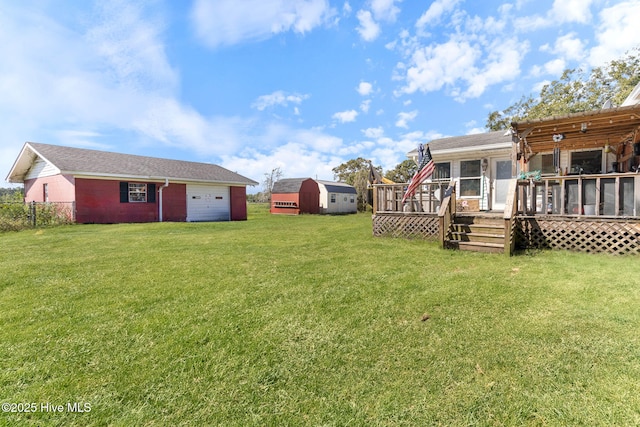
x,y
479,164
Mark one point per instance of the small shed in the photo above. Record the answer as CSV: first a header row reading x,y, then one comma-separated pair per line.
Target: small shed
x,y
337,197
294,196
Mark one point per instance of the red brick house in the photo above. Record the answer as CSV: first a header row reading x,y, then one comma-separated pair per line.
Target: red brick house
x,y
106,187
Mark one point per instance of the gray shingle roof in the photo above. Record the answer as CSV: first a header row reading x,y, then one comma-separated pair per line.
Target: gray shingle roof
x,y
468,141
338,187
79,161
288,185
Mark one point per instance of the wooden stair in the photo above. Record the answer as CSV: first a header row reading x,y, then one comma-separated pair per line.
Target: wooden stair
x,y
478,232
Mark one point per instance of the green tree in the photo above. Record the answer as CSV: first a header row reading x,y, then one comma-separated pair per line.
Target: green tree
x,y
402,172
11,195
355,172
574,91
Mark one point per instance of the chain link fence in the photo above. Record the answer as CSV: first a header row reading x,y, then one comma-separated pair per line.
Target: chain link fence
x,y
16,216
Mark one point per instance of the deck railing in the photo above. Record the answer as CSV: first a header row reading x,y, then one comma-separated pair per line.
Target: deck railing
x,y
604,195
446,214
387,198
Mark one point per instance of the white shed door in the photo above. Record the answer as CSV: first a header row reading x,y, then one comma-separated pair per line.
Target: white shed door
x,y
208,203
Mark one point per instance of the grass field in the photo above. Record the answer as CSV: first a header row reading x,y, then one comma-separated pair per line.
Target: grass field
x,y
309,321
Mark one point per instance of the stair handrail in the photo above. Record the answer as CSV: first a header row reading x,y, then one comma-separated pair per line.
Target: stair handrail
x,y
447,212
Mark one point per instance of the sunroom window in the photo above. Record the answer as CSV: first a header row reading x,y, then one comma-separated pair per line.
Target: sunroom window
x,y
586,162
542,163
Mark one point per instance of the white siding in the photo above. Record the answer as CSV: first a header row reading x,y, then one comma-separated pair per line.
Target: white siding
x,y
208,203
41,169
324,199
344,202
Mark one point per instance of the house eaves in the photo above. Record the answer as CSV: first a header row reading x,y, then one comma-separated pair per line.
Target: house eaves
x,y
491,147
465,144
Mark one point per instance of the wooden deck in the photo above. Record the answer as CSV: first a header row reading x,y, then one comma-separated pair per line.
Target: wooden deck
x,y
526,223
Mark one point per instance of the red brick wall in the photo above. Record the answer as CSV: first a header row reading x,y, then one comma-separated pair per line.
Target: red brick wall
x,y
98,201
238,197
174,202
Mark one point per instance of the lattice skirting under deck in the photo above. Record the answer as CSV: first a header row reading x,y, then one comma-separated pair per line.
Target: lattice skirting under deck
x,y
579,234
422,226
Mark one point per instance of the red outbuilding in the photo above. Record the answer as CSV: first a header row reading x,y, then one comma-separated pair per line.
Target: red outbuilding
x,y
105,187
294,196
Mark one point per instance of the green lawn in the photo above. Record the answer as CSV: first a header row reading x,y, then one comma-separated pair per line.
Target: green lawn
x,y
309,320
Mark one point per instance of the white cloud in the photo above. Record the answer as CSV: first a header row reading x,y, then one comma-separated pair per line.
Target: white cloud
x,y
295,159
384,10
132,46
346,9
539,85
435,12
167,121
404,118
618,32
502,64
475,130
555,67
373,132
561,12
571,11
568,46
365,105
368,29
73,79
278,98
365,88
346,116
228,22
435,66
71,87
476,55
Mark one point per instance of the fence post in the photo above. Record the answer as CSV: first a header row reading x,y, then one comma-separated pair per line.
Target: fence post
x,y
32,213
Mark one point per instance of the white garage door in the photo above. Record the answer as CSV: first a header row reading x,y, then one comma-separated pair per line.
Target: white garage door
x,y
208,203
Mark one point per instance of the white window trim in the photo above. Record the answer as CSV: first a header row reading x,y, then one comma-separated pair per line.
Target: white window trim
x,y
132,191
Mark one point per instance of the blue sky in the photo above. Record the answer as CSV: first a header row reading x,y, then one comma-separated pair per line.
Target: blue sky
x,y
303,85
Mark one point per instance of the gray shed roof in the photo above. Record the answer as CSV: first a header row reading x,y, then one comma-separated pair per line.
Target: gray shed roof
x,y
288,185
338,187
496,139
80,161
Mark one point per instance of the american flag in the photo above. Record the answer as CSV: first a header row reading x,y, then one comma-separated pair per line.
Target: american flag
x,y
425,170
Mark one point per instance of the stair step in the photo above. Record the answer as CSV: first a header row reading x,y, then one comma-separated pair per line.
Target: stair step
x,y
476,246
477,228
476,233
477,237
479,219
479,232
